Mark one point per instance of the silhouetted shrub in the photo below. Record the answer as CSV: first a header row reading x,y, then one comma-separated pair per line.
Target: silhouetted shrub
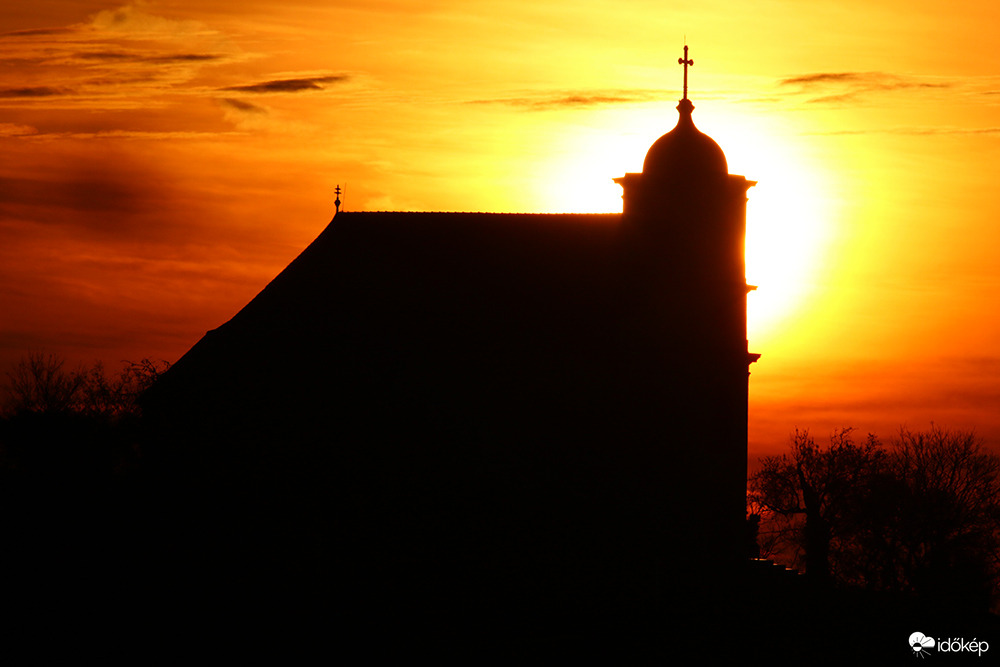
x,y
920,516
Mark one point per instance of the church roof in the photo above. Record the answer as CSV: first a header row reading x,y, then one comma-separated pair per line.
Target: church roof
x,y
377,287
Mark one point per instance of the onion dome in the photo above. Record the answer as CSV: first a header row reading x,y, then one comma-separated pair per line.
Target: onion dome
x,y
684,150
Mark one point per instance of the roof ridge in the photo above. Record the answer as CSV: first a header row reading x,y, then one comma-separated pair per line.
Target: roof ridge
x,y
498,213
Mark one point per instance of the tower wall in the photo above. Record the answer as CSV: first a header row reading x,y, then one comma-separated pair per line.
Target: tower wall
x,y
684,238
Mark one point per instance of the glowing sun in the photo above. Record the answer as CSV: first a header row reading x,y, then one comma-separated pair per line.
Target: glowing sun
x,y
787,211
788,225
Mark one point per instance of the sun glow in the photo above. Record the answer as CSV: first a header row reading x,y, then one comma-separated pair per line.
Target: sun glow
x,y
579,176
788,211
788,225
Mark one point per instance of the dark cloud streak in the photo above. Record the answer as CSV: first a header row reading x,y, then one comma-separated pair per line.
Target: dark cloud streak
x,y
921,131
823,77
121,56
240,105
576,99
99,192
290,85
31,92
38,32
847,87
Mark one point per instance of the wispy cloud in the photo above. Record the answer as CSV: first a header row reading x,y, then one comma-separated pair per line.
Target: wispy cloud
x,y
290,85
823,77
159,59
241,105
38,32
921,131
844,87
577,99
133,21
124,57
32,91
16,130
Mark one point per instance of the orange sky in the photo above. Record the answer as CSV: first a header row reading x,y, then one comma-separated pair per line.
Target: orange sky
x,y
164,160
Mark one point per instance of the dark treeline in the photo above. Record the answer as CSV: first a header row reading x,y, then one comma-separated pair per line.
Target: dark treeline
x,y
80,521
88,519
72,424
40,384
918,516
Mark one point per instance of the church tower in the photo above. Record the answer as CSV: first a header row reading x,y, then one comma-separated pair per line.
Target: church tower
x,y
684,223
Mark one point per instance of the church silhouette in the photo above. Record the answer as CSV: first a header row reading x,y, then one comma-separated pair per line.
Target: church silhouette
x,y
520,425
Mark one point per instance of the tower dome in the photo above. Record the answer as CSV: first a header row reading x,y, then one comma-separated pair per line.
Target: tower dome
x,y
684,150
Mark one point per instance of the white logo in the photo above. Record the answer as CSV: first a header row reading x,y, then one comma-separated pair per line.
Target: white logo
x,y
921,644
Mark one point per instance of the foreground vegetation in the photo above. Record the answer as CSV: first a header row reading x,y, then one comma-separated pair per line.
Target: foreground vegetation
x,y
919,515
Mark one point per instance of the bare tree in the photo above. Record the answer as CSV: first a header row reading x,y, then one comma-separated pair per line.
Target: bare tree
x,y
40,384
118,395
921,516
811,495
936,528
72,424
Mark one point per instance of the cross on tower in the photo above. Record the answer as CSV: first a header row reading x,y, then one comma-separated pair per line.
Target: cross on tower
x,y
684,61
336,202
